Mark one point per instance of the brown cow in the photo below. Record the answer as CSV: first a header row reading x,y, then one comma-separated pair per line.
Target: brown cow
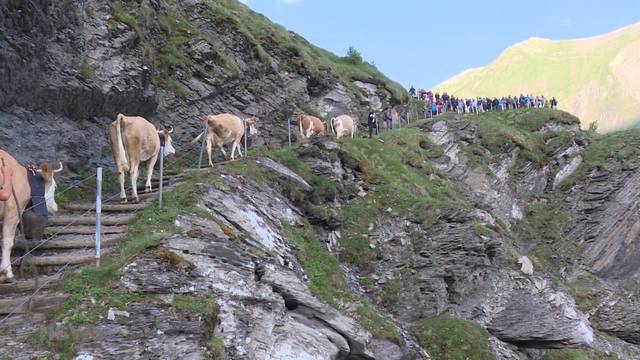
x,y
13,178
343,125
223,129
135,140
309,125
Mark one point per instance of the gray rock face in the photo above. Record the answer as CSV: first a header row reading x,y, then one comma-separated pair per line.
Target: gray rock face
x,y
266,310
621,320
530,322
150,330
48,105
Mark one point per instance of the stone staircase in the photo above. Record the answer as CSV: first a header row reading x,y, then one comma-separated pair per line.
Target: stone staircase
x,y
69,242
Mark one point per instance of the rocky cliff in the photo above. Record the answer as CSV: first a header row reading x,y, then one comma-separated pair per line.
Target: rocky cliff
x,y
493,236
68,67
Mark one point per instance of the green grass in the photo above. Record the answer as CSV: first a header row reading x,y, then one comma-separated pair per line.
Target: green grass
x,y
500,132
402,179
167,57
543,221
606,150
584,292
216,348
326,280
85,70
151,226
445,338
298,54
60,342
265,37
378,325
391,291
577,354
195,305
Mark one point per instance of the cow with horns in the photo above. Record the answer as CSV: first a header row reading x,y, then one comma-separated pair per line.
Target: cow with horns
x,y
15,195
135,140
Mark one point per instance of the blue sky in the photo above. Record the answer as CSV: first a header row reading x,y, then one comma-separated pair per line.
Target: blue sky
x,y
423,42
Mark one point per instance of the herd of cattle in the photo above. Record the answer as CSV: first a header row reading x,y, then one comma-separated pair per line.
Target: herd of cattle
x,y
134,140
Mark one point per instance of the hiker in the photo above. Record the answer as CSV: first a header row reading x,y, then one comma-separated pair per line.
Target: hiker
x,y
412,92
388,118
372,123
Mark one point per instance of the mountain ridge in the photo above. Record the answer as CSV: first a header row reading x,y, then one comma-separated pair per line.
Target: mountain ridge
x,y
594,78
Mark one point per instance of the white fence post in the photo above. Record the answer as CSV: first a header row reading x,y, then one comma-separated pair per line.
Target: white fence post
x,y
204,138
289,130
246,135
161,177
98,213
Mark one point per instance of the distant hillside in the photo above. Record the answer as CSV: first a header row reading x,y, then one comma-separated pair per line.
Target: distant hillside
x,y
596,79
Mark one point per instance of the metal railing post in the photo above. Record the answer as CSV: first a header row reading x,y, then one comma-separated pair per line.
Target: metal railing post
x,y
161,177
204,138
289,130
246,133
98,213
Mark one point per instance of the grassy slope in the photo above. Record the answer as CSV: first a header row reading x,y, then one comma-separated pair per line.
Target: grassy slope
x,y
267,39
400,178
577,72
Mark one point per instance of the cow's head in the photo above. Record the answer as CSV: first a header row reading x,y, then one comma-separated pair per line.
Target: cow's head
x,y
251,122
47,171
168,142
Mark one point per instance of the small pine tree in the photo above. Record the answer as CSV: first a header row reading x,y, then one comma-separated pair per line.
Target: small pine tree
x,y
353,56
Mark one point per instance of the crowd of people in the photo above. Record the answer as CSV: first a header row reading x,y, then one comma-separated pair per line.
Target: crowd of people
x,y
438,103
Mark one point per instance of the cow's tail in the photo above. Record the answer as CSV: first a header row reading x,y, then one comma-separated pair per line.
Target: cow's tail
x,y
121,158
300,125
206,128
333,131
195,141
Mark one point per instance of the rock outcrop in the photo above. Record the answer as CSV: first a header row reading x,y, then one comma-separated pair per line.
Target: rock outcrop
x,y
69,66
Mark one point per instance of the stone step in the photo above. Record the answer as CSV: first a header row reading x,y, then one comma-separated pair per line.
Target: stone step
x,y
90,219
30,284
106,207
67,242
38,303
84,230
61,259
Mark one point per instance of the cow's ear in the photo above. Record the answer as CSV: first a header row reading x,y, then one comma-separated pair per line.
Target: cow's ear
x,y
46,171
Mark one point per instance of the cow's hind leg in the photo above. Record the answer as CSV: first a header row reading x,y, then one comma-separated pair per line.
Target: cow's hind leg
x,y
134,183
150,164
239,147
223,152
123,194
8,232
209,148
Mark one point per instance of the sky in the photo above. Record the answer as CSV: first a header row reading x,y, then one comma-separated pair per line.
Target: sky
x,y
424,42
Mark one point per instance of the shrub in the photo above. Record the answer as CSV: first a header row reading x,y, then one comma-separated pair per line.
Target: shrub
x,y
353,56
446,338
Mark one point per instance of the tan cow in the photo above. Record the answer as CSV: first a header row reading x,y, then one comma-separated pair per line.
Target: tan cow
x,y
13,178
343,125
309,126
223,129
135,140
